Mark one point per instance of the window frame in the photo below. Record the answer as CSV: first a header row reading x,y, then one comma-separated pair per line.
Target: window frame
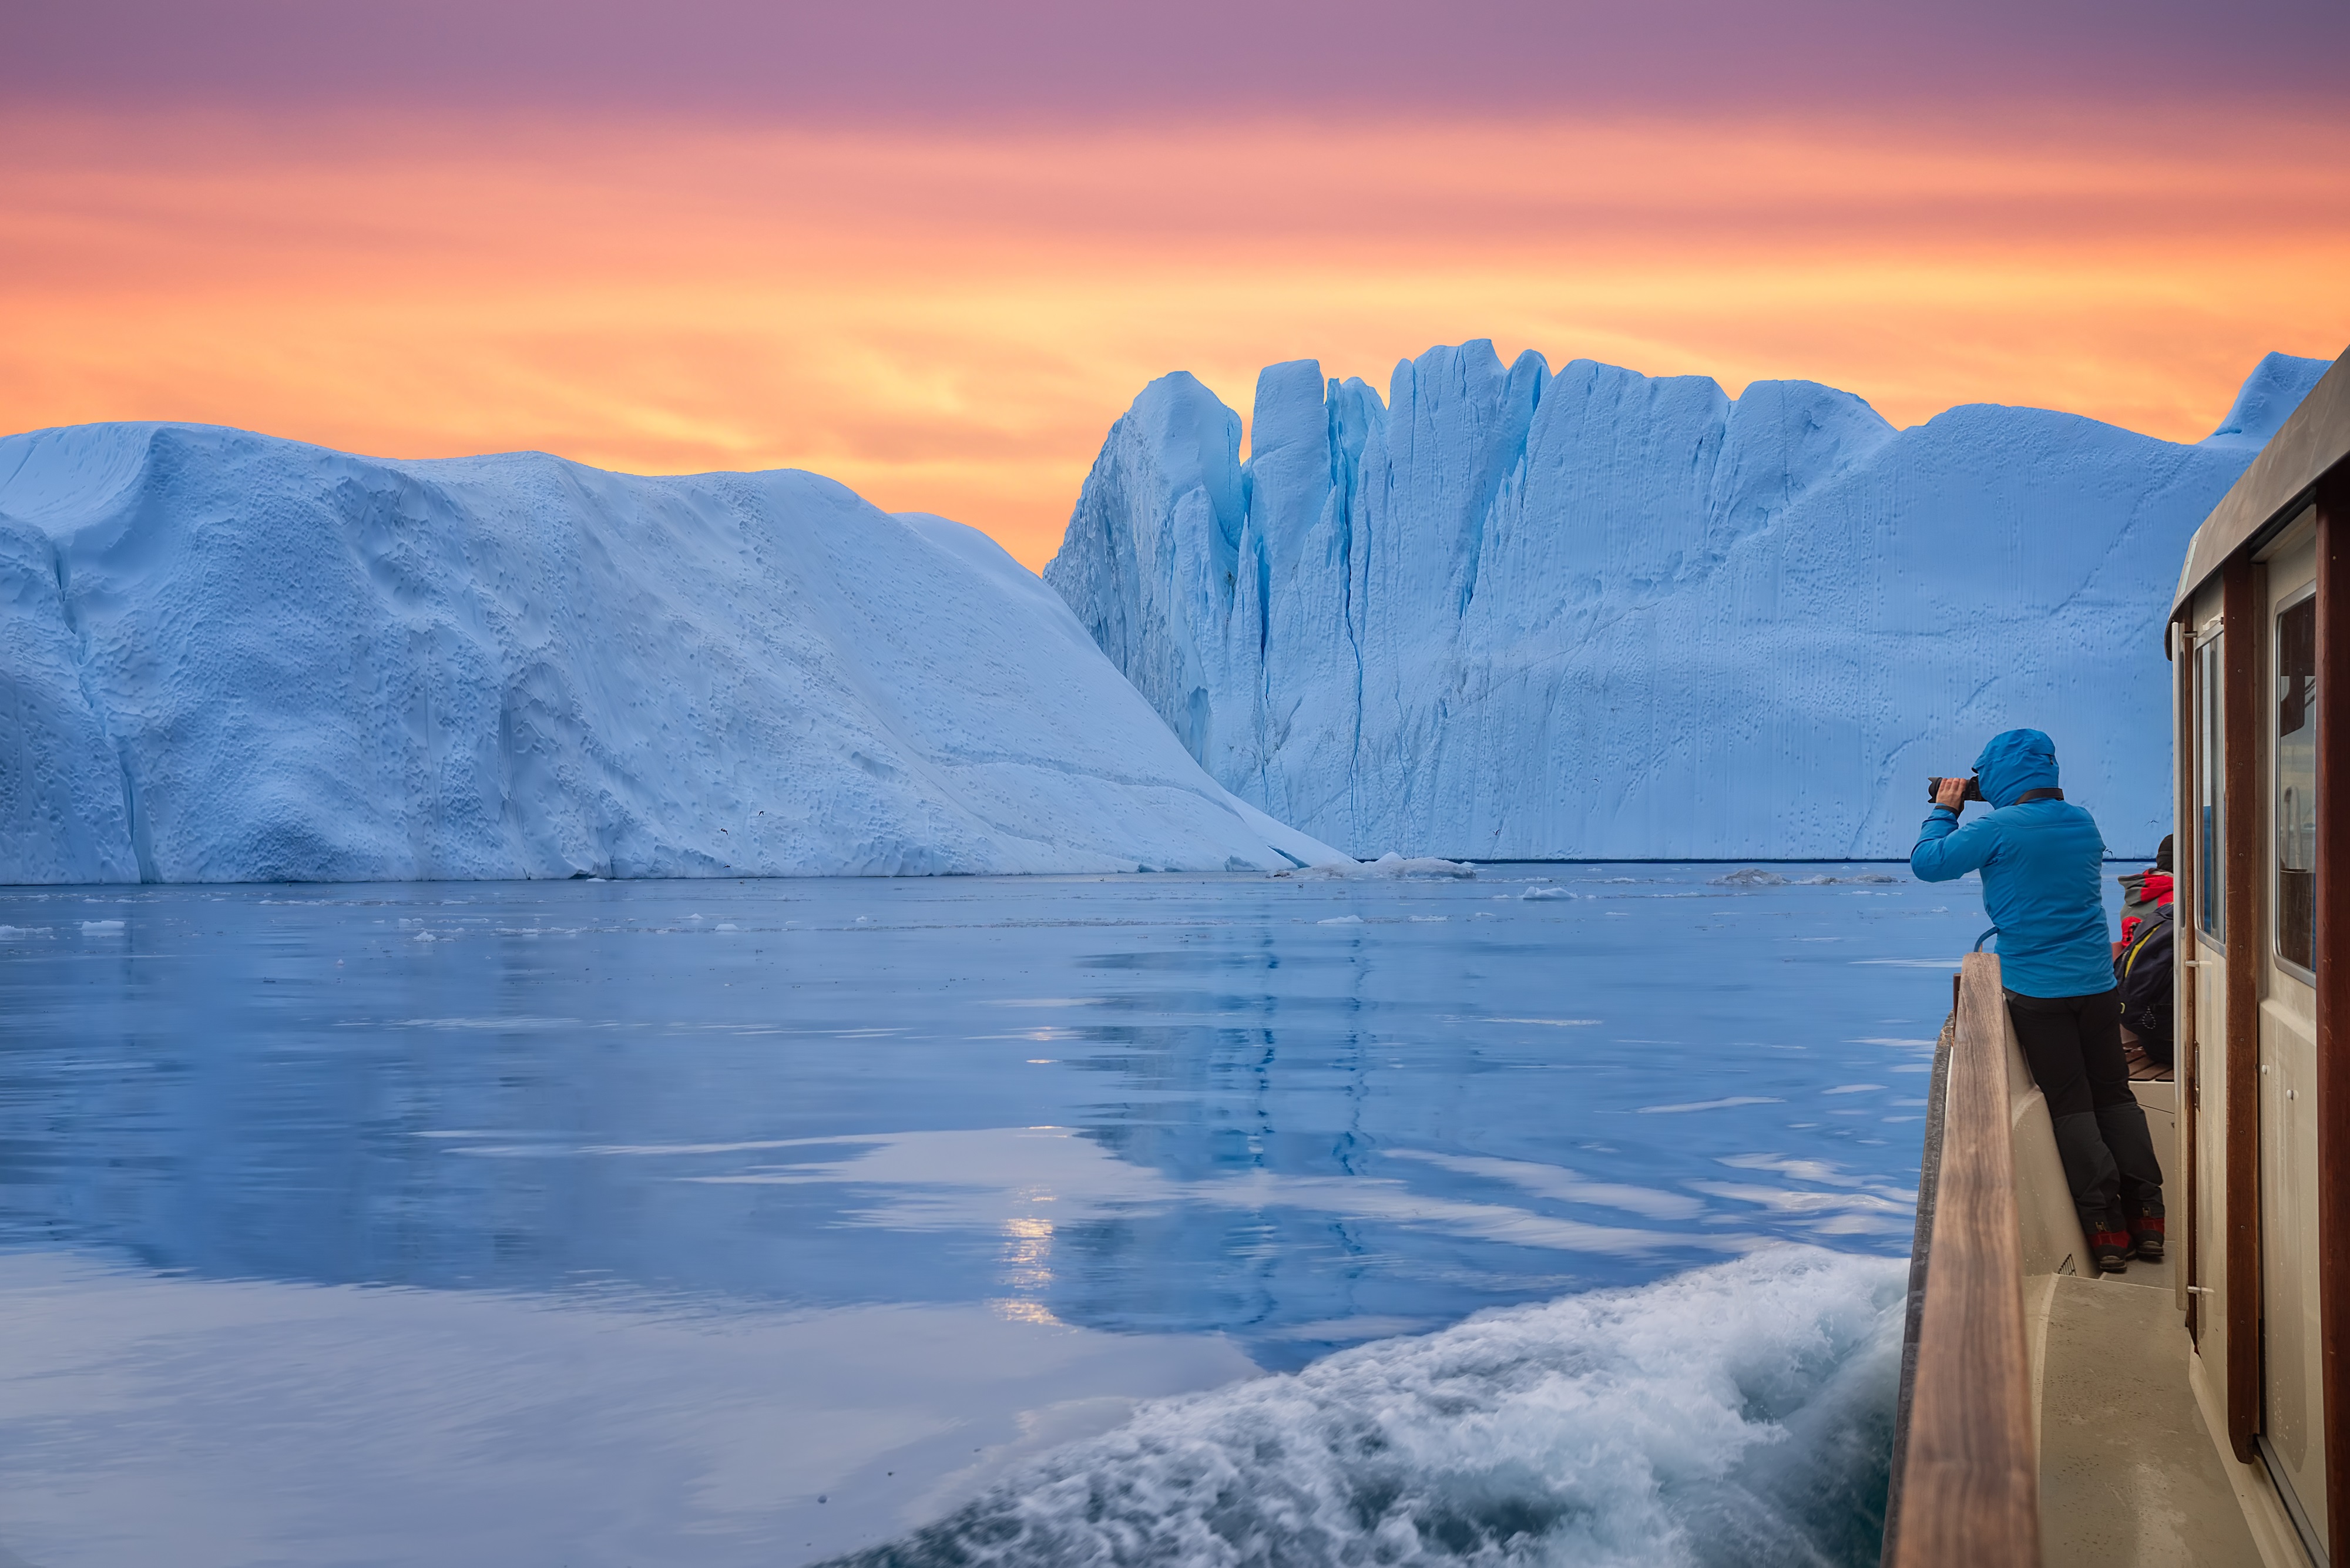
x,y
2278,609
2207,704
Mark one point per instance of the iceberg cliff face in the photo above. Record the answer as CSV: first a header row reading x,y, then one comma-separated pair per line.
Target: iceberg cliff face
x,y
1595,615
227,657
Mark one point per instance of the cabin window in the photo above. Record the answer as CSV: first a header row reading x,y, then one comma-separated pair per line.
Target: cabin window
x,y
2296,783
2210,892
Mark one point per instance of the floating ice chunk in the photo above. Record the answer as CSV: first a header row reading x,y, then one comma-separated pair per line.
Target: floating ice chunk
x,y
17,933
101,928
1720,1104
725,926
1752,876
1341,921
1548,893
1427,919
1389,864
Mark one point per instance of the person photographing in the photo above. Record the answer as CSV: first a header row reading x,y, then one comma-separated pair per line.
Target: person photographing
x,y
2041,860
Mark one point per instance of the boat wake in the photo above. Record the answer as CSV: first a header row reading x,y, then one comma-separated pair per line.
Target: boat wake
x,y
1737,1414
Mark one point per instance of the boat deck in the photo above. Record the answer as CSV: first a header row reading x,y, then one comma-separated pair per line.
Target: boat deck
x,y
2128,1471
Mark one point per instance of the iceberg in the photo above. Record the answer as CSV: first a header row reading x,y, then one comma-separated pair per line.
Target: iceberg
x,y
1512,614
230,657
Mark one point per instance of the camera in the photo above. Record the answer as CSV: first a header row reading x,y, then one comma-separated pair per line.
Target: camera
x,y
1975,787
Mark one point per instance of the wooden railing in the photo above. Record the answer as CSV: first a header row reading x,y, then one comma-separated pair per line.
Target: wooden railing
x,y
1966,1475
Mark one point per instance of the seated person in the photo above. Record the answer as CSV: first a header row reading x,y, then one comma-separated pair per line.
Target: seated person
x,y
2142,975
2143,892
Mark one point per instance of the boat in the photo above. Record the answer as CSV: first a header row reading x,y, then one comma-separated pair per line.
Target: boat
x,y
2189,1411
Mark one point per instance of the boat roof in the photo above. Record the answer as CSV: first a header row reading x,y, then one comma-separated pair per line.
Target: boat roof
x,y
2273,489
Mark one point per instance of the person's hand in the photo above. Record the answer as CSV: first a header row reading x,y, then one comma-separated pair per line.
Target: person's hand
x,y
1953,793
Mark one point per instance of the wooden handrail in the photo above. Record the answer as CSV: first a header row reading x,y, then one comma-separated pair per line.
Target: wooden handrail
x,y
1966,1482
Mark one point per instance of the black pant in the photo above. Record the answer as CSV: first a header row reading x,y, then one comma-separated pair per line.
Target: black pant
x,y
2073,1046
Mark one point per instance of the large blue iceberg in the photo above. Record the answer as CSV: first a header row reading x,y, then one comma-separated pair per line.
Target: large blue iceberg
x,y
228,657
1509,614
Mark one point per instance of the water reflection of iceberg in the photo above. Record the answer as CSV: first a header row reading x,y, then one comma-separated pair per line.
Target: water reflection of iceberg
x,y
1216,1114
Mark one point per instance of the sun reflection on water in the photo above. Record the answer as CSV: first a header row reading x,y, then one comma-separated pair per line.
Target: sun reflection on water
x,y
1027,1267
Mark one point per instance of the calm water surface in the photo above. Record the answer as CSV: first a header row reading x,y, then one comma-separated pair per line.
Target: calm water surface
x,y
719,1223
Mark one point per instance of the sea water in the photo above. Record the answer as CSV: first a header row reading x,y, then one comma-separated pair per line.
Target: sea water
x,y
1552,1215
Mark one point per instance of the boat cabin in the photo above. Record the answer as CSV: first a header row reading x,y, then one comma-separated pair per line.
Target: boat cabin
x,y
2192,1412
2260,644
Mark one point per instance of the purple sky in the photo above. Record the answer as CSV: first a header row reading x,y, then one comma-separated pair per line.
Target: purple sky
x,y
950,59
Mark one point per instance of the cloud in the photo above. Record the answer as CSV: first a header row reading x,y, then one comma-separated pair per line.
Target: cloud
x,y
948,319
943,60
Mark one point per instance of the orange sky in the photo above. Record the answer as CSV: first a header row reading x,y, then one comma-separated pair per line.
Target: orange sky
x,y
949,319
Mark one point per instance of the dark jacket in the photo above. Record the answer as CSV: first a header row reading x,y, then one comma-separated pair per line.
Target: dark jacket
x,y
2142,973
2041,863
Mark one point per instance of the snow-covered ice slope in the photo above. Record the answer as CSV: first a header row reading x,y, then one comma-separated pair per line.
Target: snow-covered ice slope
x,y
1512,614
229,658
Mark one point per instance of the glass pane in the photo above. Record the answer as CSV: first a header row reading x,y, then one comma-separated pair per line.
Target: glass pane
x,y
2209,863
2296,782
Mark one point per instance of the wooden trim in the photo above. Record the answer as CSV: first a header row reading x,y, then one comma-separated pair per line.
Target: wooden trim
x,y
2333,972
1969,1482
2184,873
2247,618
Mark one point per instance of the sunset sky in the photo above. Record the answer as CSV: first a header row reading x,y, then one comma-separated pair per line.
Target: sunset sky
x,y
934,250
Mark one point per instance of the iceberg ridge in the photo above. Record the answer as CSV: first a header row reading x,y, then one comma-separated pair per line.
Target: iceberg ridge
x,y
231,657
1508,614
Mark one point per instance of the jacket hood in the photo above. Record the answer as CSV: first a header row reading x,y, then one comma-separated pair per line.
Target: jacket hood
x,y
2015,761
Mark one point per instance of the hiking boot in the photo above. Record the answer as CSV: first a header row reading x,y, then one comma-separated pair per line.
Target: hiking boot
x,y
2146,1233
2111,1249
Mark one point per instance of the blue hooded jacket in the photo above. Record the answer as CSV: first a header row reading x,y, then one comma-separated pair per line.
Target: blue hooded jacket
x,y
2042,864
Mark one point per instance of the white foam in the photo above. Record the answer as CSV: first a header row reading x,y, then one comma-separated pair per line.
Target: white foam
x,y
1740,1413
